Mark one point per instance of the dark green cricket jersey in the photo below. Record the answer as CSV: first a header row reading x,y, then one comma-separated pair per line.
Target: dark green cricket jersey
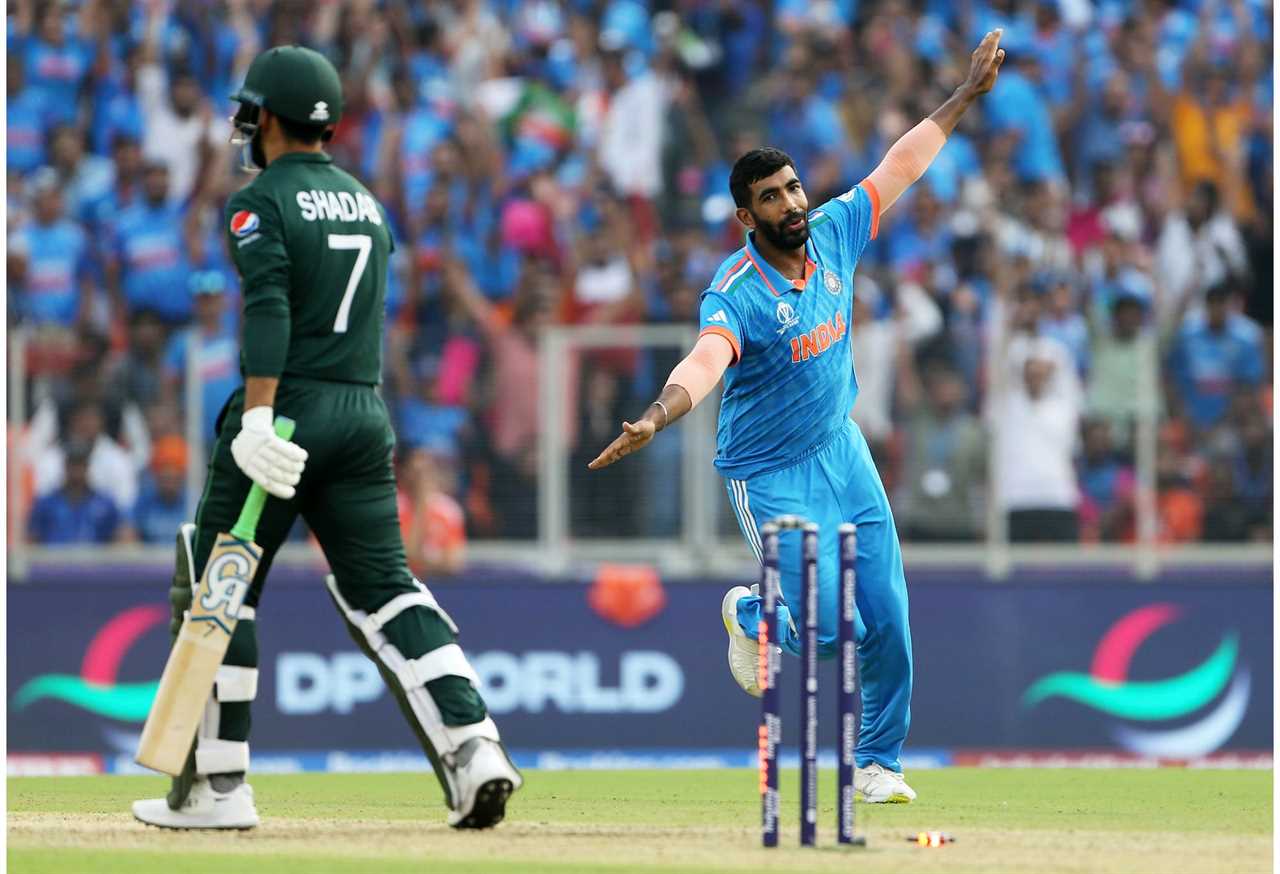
x,y
311,245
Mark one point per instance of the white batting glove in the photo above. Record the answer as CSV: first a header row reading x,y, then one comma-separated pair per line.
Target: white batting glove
x,y
272,463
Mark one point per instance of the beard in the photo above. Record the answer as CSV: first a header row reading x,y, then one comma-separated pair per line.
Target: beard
x,y
256,153
781,237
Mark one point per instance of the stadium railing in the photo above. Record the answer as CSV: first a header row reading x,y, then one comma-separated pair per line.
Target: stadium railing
x,y
681,522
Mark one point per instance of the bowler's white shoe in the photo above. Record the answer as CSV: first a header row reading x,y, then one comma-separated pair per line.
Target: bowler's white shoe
x,y
878,785
485,778
744,653
204,808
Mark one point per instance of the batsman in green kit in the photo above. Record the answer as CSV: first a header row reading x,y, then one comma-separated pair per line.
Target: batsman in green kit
x,y
311,246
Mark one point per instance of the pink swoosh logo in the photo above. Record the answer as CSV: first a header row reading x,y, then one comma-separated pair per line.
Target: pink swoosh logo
x,y
106,650
1115,650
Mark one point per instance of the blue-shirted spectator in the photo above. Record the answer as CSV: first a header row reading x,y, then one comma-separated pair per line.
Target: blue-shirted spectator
x,y
1018,26
75,513
423,128
49,262
922,239
1100,137
201,24
1178,30
117,111
423,421
1107,487
494,133
1217,352
57,64
162,495
125,191
741,30
627,21
956,163
1021,113
85,178
149,264
806,126
24,120
219,343
796,15
1062,319
1055,48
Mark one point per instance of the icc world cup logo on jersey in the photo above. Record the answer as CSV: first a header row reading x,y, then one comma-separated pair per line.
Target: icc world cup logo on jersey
x,y
787,318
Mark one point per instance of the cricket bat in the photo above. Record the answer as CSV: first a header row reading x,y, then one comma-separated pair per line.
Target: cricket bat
x,y
205,635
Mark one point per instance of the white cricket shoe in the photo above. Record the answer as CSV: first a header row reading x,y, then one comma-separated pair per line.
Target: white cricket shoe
x,y
485,778
878,785
744,653
205,807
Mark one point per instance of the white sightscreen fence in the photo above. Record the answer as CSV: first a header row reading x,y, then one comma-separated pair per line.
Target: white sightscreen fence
x,y
664,506
661,505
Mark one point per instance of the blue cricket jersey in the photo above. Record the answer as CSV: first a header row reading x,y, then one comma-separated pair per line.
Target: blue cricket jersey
x,y
152,256
791,385
58,260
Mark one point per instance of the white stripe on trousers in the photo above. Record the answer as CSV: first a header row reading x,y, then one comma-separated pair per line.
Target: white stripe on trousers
x,y
742,507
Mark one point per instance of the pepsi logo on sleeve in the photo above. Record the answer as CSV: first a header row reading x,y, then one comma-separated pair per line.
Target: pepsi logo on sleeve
x,y
244,223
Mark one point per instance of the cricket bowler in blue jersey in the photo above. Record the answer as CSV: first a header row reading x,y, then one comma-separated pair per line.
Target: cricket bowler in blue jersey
x,y
775,326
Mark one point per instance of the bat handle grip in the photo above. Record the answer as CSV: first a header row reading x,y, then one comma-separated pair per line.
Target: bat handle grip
x,y
246,526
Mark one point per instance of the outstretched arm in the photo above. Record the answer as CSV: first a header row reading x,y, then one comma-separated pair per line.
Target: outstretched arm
x,y
690,381
912,154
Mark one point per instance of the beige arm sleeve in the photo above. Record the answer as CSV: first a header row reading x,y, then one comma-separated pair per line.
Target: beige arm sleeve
x,y
702,368
906,161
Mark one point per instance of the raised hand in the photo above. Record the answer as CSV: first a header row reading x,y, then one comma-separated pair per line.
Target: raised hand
x,y
985,63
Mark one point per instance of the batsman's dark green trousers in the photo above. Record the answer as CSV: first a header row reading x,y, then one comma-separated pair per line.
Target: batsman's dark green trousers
x,y
347,497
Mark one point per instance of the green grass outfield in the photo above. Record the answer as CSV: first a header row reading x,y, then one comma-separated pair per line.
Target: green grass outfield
x,y
1033,820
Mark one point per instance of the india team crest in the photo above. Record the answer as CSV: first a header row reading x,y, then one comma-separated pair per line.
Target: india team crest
x,y
832,282
244,223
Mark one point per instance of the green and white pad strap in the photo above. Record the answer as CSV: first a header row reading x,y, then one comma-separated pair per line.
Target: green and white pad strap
x,y
214,755
444,661
231,684
397,605
412,675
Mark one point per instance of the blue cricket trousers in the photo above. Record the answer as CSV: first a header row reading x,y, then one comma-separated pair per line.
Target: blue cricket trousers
x,y
837,483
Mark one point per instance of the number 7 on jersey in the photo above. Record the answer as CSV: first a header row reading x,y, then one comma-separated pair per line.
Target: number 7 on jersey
x,y
362,244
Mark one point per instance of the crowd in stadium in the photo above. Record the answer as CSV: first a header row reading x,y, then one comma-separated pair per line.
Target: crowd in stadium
x,y
1095,237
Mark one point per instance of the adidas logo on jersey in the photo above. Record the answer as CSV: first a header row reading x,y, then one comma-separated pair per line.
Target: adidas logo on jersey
x,y
719,317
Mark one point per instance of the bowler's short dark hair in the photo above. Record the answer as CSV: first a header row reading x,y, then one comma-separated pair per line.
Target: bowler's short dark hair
x,y
752,167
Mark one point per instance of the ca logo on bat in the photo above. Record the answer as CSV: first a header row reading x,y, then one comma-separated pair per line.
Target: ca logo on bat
x,y
227,583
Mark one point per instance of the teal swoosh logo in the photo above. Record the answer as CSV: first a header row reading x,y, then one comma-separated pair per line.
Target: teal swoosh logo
x,y
1161,699
128,702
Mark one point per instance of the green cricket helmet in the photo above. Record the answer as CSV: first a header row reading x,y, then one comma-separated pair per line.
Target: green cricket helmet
x,y
293,82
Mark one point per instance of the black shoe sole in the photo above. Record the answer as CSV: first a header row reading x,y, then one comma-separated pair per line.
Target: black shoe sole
x,y
490,806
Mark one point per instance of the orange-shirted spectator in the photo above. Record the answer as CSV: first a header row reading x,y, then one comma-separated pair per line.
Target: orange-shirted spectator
x,y
431,520
1209,122
1179,506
